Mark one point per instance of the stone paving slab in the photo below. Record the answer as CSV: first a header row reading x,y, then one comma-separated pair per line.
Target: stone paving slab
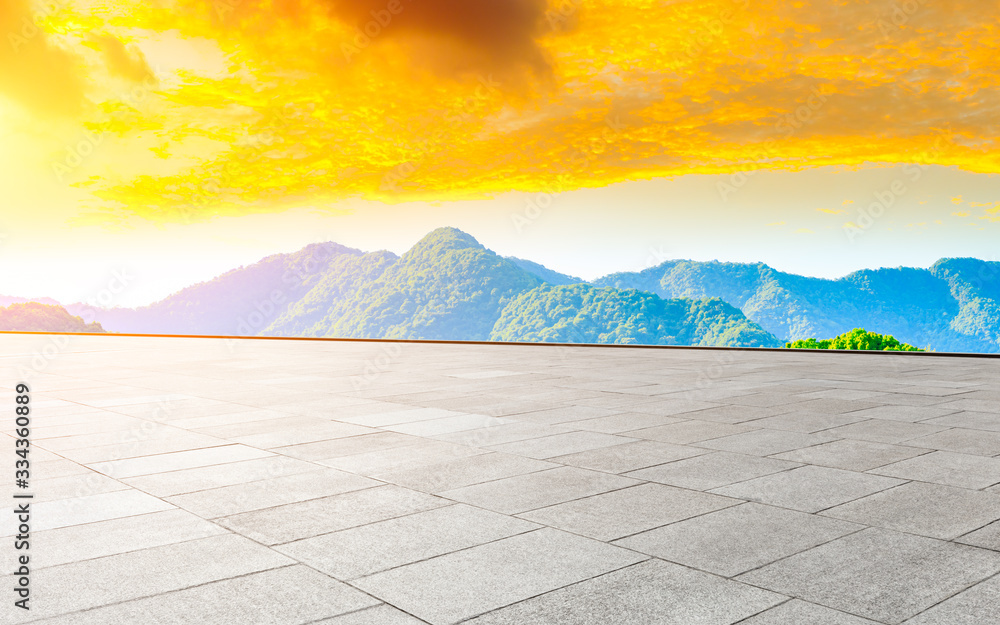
x,y
218,476
926,509
629,456
87,509
619,513
798,612
808,488
882,575
522,493
712,470
294,595
651,592
112,579
977,605
296,521
987,537
738,538
852,455
268,493
946,467
199,480
379,615
463,584
376,547
461,472
122,535
962,440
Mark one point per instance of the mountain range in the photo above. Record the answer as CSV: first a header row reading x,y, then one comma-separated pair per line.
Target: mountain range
x,y
450,287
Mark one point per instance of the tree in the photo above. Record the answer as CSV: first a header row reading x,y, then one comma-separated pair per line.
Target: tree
x,y
857,339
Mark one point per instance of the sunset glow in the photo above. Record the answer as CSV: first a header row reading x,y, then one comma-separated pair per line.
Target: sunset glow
x,y
180,110
132,117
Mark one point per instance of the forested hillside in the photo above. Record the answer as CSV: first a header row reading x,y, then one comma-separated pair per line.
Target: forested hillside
x,y
38,317
581,313
950,307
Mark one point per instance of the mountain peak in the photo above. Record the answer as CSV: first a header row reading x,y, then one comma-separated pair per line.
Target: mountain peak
x,y
446,239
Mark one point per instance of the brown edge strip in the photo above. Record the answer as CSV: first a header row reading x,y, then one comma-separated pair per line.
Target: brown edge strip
x,y
522,344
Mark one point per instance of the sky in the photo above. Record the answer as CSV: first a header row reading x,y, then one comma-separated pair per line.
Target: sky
x,y
168,141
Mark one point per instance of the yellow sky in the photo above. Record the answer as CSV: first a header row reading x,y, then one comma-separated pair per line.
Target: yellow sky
x,y
180,110
176,139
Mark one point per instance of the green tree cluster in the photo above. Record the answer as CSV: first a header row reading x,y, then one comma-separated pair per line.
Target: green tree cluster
x,y
856,339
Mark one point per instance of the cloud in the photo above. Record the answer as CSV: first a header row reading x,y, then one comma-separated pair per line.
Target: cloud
x,y
34,72
127,63
497,31
449,36
961,214
634,91
830,211
957,200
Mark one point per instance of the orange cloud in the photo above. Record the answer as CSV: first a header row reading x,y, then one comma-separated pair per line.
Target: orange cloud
x,y
123,62
455,99
35,72
494,35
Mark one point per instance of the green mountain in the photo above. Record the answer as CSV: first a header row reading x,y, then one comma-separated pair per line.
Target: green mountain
x,y
543,272
447,287
582,313
450,287
325,302
38,317
949,307
975,286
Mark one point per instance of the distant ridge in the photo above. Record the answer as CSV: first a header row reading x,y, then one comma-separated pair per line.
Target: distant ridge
x,y
952,306
449,286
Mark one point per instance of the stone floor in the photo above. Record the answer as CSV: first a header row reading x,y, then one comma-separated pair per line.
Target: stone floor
x,y
291,482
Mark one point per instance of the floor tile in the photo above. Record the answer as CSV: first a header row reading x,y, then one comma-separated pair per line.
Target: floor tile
x,y
619,513
738,539
878,574
808,488
460,585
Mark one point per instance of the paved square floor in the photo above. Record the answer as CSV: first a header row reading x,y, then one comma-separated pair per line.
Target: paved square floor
x,y
215,481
